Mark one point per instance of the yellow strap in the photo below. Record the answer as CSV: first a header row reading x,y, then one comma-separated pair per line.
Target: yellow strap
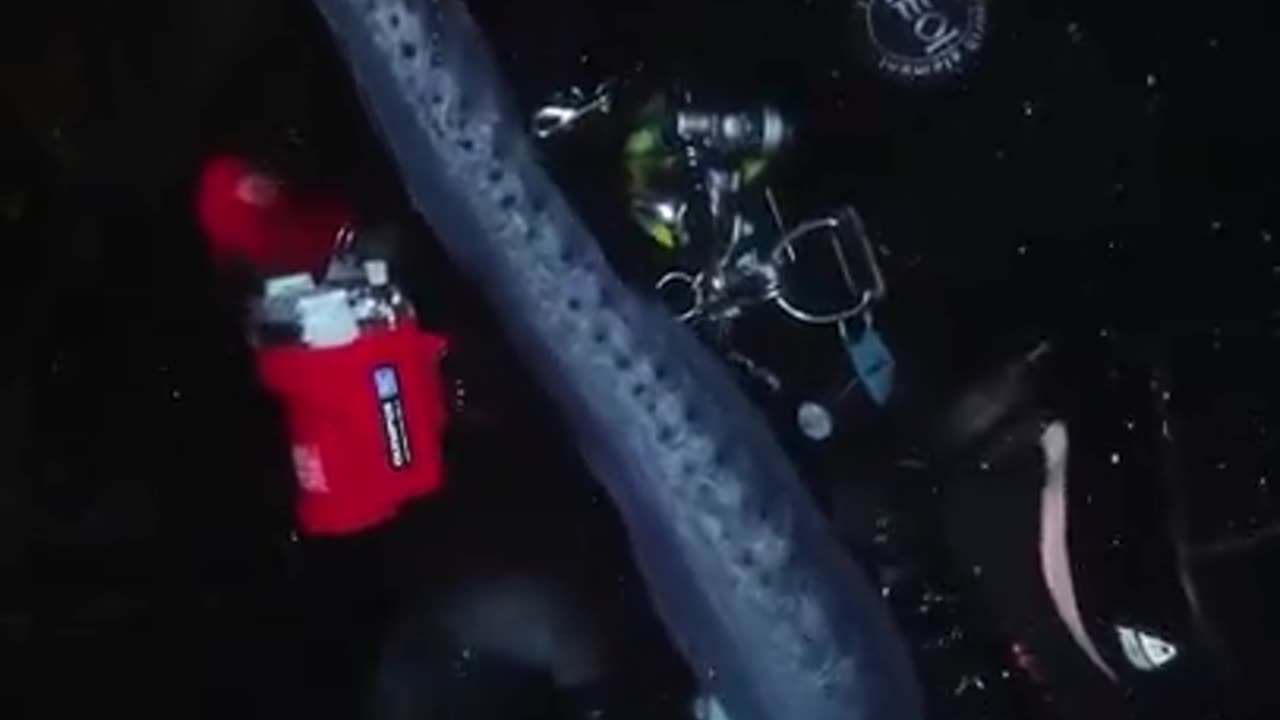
x,y
641,142
665,236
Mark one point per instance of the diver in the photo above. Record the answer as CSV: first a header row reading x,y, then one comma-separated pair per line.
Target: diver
x,y
1066,508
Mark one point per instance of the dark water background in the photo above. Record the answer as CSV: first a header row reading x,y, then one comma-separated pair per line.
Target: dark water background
x,y
1103,178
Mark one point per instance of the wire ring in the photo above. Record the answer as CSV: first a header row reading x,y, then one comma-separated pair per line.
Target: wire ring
x,y
694,283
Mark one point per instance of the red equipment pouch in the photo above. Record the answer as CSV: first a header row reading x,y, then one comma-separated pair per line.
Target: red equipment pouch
x,y
365,422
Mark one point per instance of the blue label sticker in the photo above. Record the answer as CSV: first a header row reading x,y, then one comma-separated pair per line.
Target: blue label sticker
x,y
384,378
872,361
394,426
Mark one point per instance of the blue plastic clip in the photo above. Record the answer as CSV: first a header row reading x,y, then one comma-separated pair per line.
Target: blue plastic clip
x,y
872,360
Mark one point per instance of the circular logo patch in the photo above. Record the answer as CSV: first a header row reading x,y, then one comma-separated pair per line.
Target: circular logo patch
x,y
925,38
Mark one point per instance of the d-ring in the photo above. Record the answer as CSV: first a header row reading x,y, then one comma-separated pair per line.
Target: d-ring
x,y
866,297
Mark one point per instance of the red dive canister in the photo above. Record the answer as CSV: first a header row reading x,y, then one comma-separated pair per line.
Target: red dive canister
x,y
362,397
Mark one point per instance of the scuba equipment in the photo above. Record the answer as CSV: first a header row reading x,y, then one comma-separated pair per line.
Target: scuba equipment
x,y
361,390
872,360
713,154
691,178
653,162
564,113
253,217
359,383
740,265
723,151
761,131
725,290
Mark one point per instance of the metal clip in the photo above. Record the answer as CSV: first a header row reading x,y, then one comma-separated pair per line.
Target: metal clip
x,y
737,280
692,284
555,118
726,289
